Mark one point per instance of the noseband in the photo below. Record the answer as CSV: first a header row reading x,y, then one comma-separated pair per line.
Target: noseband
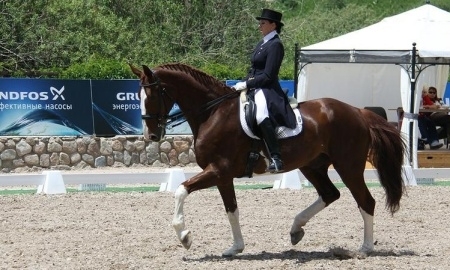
x,y
162,119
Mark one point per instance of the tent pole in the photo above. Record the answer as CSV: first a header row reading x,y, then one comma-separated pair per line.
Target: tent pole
x,y
411,106
296,69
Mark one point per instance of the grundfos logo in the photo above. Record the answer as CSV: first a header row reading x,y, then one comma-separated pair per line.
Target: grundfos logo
x,y
127,96
57,93
12,95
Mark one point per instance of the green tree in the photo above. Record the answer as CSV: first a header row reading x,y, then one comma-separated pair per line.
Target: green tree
x,y
96,38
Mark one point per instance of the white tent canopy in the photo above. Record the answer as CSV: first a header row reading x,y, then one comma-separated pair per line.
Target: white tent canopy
x,y
373,66
427,25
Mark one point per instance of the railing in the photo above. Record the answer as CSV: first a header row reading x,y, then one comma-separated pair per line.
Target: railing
x,y
54,182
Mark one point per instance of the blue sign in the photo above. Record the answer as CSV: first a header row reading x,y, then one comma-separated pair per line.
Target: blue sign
x,y
40,107
116,109
52,107
447,92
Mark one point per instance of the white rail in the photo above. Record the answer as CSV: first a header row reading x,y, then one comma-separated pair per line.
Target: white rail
x,y
164,178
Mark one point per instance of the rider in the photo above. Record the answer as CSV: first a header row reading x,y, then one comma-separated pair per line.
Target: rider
x,y
272,104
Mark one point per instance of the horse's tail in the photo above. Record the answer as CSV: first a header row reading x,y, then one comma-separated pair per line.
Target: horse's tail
x,y
386,154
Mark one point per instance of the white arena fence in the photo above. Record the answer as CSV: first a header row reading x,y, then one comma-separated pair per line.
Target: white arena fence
x,y
54,182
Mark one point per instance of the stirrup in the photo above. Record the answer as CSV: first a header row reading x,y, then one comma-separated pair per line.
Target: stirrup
x,y
275,165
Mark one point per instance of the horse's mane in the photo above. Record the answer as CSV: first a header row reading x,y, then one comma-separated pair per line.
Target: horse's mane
x,y
207,80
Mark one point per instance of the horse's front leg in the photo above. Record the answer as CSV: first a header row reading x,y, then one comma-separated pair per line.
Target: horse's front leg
x,y
229,199
178,218
205,179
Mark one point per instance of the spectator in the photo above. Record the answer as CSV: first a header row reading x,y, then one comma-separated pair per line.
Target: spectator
x,y
429,133
432,94
441,119
426,126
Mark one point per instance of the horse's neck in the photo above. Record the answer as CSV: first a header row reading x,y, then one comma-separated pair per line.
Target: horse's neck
x,y
191,96
188,92
190,99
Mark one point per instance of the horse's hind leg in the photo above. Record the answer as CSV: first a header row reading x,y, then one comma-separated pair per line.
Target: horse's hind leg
x,y
328,193
353,178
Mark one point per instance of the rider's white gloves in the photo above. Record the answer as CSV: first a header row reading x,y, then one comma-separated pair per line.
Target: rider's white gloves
x,y
240,86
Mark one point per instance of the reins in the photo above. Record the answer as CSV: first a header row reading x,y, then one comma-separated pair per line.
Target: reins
x,y
209,105
217,101
172,118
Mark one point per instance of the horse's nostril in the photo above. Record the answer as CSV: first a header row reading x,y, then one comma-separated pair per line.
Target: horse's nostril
x,y
154,138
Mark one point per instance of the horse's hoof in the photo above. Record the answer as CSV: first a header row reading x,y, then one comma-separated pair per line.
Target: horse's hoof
x,y
232,252
186,239
297,236
366,249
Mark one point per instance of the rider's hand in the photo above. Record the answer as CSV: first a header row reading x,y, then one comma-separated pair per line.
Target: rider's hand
x,y
240,86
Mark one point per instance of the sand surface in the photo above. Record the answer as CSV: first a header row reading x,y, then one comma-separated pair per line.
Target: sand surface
x,y
131,230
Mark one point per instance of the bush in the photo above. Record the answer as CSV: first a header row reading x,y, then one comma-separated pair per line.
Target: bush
x,y
98,68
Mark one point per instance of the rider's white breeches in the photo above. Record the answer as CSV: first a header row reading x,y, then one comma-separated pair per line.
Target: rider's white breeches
x,y
261,106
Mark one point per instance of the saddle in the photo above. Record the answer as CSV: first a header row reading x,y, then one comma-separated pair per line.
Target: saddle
x,y
250,110
248,99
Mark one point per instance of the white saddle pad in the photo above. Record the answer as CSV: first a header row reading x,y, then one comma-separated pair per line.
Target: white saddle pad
x,y
282,132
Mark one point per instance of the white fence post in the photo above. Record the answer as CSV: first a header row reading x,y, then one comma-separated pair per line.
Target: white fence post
x,y
175,176
53,183
289,179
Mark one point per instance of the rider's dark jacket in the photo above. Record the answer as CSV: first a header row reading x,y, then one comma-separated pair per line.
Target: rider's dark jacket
x,y
266,62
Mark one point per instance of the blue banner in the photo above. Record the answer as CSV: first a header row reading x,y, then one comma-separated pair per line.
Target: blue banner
x,y
116,109
40,107
53,107
447,92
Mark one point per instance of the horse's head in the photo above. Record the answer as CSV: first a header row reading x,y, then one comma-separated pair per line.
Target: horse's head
x,y
155,104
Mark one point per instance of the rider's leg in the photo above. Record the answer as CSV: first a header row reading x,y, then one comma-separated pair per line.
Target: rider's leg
x,y
268,132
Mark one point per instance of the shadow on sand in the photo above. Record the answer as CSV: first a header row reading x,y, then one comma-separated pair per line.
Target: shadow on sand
x,y
302,256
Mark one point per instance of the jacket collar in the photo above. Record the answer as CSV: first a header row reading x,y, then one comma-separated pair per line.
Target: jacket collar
x,y
269,36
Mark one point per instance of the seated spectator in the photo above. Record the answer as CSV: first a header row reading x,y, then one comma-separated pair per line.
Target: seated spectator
x,y
441,119
426,126
429,133
432,94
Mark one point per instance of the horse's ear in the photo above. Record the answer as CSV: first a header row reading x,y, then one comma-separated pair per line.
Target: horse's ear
x,y
147,71
136,71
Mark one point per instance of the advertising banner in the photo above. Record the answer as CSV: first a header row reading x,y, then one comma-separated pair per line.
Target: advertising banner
x,y
53,107
40,107
116,107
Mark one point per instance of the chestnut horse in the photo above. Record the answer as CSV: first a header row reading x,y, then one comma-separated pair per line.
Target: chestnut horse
x,y
334,133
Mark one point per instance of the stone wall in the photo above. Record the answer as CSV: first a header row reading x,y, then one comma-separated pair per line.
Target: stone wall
x,y
19,154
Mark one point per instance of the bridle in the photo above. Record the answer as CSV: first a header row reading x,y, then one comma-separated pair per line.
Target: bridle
x,y
162,118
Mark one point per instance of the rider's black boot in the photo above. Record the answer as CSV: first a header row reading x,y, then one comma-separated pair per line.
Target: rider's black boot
x,y
269,136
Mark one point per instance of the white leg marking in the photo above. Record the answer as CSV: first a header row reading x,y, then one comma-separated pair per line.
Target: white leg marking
x,y
238,240
368,245
178,217
143,97
303,217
